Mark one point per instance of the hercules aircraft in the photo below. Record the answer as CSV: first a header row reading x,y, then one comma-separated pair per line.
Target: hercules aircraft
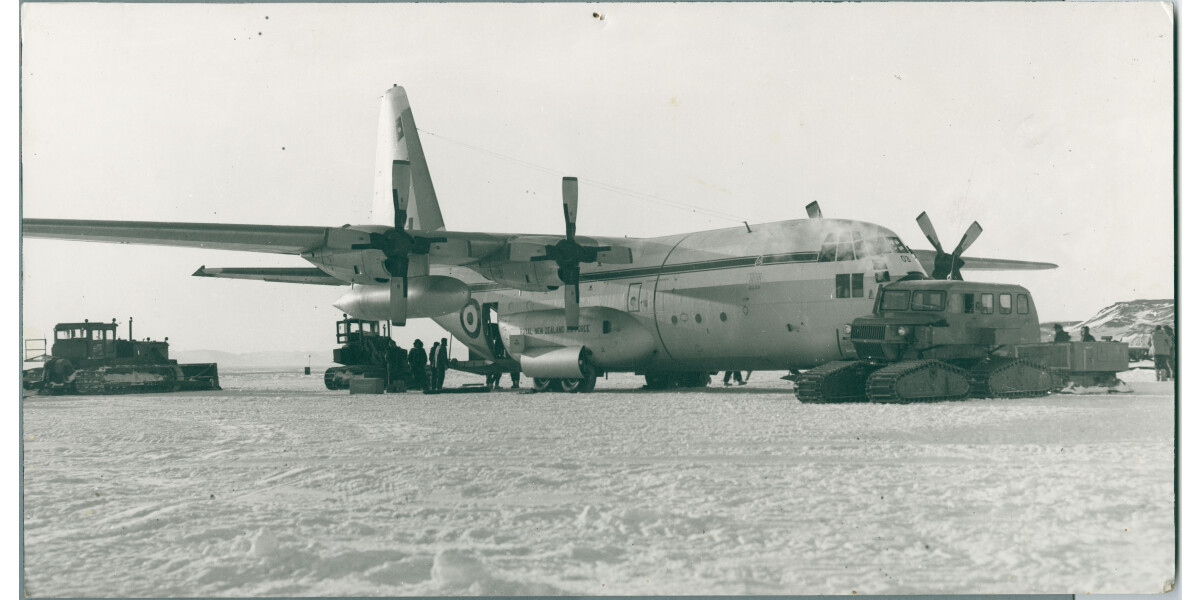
x,y
563,309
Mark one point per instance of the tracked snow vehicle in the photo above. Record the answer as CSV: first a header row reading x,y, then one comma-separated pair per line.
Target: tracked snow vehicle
x,y
87,358
931,340
936,337
366,353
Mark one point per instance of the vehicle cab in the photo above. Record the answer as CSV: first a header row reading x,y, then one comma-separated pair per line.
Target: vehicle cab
x,y
83,341
945,319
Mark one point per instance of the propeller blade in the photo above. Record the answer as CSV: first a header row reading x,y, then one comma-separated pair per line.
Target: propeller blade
x,y
398,300
570,188
930,234
814,210
401,176
968,238
571,304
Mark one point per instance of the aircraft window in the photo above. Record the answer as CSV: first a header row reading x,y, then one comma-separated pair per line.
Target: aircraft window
x,y
845,251
856,285
842,285
860,247
985,304
1022,304
894,300
828,249
724,317
1005,303
928,300
898,246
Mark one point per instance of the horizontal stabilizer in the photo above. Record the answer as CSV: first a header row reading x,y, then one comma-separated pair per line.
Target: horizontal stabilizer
x,y
281,275
275,239
926,257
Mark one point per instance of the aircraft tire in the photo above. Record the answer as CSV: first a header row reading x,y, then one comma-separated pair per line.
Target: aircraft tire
x,y
544,385
657,380
583,385
692,380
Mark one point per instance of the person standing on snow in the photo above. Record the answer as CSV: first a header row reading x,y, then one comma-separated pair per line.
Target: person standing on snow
x,y
416,364
441,362
1160,347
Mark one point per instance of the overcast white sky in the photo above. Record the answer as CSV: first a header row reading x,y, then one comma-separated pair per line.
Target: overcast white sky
x,y
1049,123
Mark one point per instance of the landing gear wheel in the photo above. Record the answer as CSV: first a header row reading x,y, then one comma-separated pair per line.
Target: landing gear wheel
x,y
543,385
656,380
692,380
583,385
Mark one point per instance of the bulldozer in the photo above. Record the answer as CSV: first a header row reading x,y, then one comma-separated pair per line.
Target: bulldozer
x,y
87,358
937,337
367,352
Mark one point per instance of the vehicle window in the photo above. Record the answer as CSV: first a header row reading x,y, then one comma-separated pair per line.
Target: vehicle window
x,y
928,300
1005,303
985,303
1022,304
842,286
968,303
856,285
62,335
894,300
828,249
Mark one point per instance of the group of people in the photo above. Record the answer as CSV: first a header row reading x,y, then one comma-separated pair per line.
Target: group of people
x,y
1085,334
428,370
1162,346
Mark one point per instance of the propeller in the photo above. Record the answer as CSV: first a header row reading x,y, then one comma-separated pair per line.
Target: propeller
x,y
569,254
398,245
947,266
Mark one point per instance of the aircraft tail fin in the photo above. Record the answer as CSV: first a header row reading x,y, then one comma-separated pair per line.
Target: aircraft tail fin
x,y
398,140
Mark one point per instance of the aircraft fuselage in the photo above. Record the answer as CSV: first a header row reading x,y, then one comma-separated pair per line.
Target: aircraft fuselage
x,y
778,296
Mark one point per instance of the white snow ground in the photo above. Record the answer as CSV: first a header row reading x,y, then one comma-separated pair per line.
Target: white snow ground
x,y
278,487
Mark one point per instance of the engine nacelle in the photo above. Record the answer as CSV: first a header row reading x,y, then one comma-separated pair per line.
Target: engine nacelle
x,y
613,338
554,363
429,296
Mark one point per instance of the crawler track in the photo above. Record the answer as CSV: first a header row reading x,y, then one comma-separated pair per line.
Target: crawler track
x,y
998,377
840,381
133,379
918,381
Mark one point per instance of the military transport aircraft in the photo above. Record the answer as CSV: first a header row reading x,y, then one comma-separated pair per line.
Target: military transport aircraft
x,y
564,308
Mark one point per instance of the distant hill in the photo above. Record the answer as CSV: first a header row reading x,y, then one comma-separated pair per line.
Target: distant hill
x,y
1130,322
254,359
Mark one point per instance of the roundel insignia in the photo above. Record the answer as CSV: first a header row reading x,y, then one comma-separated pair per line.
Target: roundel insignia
x,y
468,317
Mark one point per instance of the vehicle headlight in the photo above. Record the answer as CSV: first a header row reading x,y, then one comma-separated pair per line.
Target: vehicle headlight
x,y
847,329
902,331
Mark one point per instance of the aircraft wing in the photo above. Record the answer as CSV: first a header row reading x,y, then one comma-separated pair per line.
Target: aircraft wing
x,y
985,264
275,239
307,275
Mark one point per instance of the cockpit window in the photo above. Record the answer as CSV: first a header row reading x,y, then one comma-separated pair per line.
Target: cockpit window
x,y
928,300
828,249
898,246
894,300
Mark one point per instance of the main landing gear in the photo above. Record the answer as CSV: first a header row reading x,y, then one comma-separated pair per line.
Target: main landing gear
x,y
662,380
581,385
